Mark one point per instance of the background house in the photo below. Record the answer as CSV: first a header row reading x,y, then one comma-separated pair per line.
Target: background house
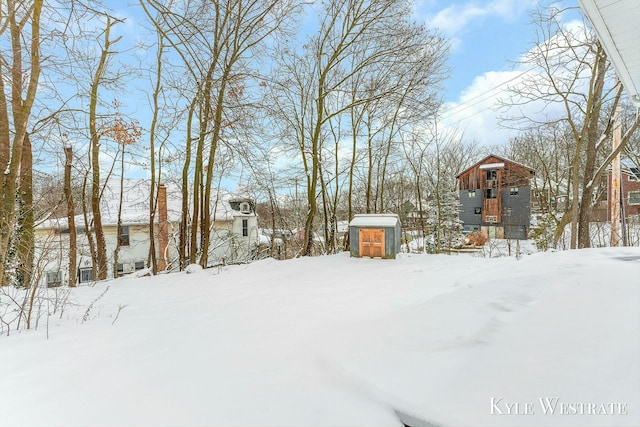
x,y
495,198
234,233
630,184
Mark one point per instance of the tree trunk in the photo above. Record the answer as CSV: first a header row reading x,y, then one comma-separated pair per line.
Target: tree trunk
x,y
71,212
116,251
12,140
185,247
101,246
25,242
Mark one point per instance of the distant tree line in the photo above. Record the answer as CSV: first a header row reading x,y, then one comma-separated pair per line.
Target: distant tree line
x,y
337,116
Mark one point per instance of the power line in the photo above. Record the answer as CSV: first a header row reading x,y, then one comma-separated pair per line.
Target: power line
x,y
481,97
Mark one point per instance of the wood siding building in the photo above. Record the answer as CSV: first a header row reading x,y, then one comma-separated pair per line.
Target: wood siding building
x,y
495,198
374,236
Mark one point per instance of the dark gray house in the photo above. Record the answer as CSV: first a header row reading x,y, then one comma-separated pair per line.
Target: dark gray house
x,y
374,235
495,198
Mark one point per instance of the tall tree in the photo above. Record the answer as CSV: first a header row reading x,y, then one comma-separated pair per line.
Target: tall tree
x,y
346,69
71,221
217,42
20,26
95,137
571,73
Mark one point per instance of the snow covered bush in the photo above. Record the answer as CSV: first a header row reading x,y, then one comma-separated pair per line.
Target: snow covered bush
x,y
543,233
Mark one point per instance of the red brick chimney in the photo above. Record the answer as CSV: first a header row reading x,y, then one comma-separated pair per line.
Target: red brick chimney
x,y
163,227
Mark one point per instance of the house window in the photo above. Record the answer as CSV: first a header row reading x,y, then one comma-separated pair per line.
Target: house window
x,y
86,275
492,174
472,194
139,265
245,227
54,278
506,211
513,191
491,193
477,210
120,271
634,197
124,235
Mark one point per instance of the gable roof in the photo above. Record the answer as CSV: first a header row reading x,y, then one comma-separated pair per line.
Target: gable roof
x,y
503,159
135,205
375,220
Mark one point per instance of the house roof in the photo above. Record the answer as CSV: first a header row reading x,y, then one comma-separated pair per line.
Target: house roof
x,y
375,220
503,159
135,205
617,24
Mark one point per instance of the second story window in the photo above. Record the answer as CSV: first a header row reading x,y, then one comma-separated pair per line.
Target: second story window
x,y
124,235
245,227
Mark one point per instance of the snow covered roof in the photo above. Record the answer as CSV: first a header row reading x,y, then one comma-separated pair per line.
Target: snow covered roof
x,y
135,205
616,23
375,220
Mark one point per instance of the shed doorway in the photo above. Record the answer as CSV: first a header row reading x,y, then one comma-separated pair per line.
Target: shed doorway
x,y
372,242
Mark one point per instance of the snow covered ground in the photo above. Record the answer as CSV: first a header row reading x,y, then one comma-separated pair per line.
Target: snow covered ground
x,y
551,339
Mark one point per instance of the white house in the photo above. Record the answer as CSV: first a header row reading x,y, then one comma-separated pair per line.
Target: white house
x,y
234,235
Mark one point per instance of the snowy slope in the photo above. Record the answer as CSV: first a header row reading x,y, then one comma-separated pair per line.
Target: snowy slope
x,y
336,341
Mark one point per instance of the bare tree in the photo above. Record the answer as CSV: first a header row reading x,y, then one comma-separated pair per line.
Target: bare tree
x,y
216,43
71,221
95,136
125,134
20,23
571,74
347,78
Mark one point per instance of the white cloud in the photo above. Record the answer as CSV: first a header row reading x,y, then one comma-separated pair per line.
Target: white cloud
x,y
455,18
475,114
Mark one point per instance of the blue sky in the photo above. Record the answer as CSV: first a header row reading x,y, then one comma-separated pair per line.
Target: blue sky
x,y
484,37
487,39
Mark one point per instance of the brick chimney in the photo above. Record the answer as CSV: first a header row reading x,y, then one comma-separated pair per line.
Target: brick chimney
x,y
163,227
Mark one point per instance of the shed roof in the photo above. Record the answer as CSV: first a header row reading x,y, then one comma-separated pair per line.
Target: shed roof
x,y
375,220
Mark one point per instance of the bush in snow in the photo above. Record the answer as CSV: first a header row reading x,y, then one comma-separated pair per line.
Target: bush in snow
x,y
193,268
543,234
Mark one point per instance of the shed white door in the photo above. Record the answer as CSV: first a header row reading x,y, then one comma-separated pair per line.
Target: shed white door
x,y
372,243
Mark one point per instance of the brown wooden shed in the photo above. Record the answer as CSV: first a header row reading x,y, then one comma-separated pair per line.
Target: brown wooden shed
x,y
375,236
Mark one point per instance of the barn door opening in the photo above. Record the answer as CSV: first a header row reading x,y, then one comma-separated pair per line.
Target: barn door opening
x,y
372,243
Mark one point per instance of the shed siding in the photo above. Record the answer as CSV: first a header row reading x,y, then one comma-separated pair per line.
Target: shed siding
x,y
391,238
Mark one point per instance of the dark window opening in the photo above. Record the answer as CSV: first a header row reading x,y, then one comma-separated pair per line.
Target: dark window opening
x,y
513,191
492,174
491,193
120,271
86,275
245,228
477,211
124,235
139,265
54,278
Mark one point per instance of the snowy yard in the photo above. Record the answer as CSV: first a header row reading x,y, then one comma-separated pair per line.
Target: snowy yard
x,y
551,339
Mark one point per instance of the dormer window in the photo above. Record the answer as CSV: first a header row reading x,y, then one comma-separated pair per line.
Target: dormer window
x,y
245,207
